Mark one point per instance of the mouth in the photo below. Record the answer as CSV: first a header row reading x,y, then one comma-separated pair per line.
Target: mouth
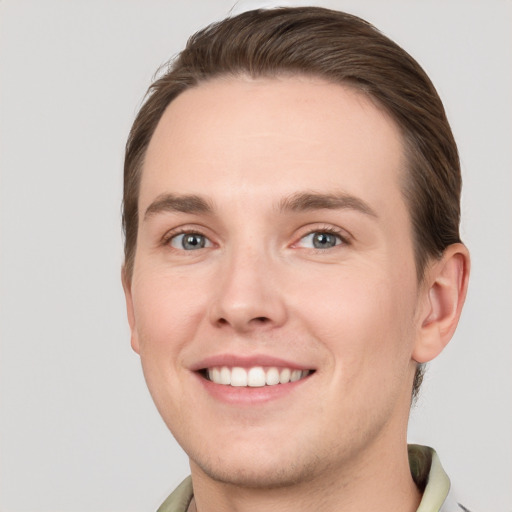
x,y
254,377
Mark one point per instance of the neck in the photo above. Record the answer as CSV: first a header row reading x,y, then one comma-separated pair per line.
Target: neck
x,y
380,480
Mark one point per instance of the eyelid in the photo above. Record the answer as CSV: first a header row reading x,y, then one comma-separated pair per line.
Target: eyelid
x,y
185,230
174,243
342,234
345,237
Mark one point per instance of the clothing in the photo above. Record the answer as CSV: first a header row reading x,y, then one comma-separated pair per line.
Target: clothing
x,y
426,471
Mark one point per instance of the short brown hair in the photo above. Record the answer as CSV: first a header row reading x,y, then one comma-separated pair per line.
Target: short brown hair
x,y
340,48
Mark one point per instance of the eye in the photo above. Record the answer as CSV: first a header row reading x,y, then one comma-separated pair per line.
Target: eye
x,y
320,240
189,241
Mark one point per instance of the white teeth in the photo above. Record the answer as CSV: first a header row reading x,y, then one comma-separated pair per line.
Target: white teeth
x,y
272,377
238,377
284,376
256,376
225,376
296,375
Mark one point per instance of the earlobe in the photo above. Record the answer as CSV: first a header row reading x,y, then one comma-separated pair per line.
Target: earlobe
x,y
127,287
445,289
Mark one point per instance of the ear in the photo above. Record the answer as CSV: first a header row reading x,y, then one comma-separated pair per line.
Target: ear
x,y
127,287
444,292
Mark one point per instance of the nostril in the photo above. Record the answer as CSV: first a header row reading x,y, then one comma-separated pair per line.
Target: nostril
x,y
243,323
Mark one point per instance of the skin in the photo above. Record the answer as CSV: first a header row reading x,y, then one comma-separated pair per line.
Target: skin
x,y
354,312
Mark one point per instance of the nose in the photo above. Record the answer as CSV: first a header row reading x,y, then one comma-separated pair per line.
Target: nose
x,y
248,297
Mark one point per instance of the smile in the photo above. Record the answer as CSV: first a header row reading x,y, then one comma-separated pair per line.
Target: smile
x,y
256,376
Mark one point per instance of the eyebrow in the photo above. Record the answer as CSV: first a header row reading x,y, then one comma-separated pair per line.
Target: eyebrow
x,y
298,202
178,203
306,201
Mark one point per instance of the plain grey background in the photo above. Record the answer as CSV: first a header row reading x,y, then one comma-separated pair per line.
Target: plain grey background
x,y
78,430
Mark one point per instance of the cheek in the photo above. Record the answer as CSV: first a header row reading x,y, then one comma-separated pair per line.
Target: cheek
x,y
365,322
383,363
167,315
168,309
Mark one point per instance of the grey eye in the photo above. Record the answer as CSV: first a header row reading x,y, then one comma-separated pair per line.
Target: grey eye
x,y
190,241
320,240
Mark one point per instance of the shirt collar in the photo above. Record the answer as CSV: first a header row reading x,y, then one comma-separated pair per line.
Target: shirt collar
x,y
426,471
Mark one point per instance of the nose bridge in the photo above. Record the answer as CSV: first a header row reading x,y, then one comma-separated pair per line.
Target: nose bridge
x,y
248,296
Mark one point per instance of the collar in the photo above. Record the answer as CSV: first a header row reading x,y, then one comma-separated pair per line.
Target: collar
x,y
426,471
430,477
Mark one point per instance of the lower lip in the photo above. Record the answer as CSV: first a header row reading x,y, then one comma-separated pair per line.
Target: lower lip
x,y
249,395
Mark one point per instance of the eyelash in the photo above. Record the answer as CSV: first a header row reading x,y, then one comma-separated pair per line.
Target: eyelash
x,y
329,230
168,237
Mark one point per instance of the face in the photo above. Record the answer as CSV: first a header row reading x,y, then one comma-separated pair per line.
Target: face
x,y
274,300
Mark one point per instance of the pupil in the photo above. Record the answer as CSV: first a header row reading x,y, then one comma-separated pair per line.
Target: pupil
x,y
322,240
193,242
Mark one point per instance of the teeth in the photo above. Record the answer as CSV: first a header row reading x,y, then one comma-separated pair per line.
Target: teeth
x,y
256,376
296,375
272,377
225,376
238,377
284,376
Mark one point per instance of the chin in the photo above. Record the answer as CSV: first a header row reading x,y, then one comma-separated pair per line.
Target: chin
x,y
257,476
260,467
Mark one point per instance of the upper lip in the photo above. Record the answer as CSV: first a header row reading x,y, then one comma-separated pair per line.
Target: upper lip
x,y
234,360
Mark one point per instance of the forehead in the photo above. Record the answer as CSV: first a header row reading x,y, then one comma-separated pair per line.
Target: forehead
x,y
272,136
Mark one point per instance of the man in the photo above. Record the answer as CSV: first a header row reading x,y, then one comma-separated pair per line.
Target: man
x,y
291,211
